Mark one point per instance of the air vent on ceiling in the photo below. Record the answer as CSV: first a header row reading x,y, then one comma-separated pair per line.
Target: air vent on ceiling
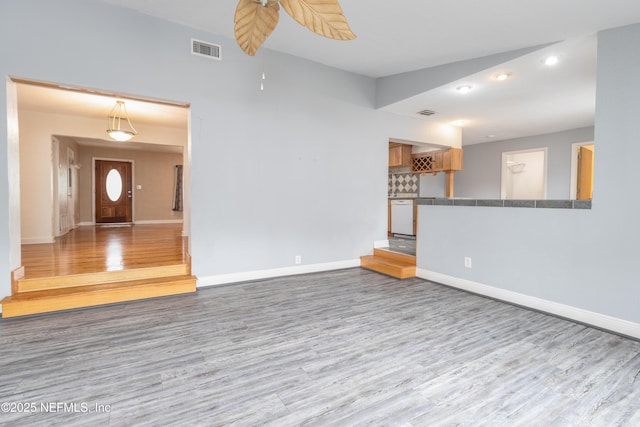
x,y
210,50
426,112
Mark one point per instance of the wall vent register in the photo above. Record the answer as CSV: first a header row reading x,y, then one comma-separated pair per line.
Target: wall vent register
x,y
209,50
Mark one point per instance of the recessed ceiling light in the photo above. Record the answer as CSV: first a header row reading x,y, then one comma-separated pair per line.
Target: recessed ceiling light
x,y
491,136
501,76
464,88
459,123
551,60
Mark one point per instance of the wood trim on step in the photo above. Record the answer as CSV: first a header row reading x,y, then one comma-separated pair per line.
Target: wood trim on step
x,y
100,265
87,296
16,275
58,282
395,264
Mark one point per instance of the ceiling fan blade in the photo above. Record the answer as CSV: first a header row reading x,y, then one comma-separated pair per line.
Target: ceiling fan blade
x,y
323,17
254,23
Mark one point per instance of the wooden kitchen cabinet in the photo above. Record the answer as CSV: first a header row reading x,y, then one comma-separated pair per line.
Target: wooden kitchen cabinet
x,y
399,154
447,161
437,161
389,217
453,159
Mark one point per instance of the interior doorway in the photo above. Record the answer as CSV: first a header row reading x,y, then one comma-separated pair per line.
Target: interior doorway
x,y
524,174
60,111
65,188
582,164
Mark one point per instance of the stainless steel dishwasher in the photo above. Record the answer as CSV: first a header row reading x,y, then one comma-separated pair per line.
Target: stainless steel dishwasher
x,y
402,217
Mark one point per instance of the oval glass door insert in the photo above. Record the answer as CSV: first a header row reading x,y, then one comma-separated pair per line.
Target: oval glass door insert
x,y
114,185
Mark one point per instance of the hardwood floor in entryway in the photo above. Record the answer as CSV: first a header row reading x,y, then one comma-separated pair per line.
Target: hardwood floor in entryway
x,y
91,249
342,348
100,265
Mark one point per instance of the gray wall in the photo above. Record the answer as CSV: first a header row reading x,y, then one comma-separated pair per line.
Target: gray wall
x,y
300,168
480,177
582,258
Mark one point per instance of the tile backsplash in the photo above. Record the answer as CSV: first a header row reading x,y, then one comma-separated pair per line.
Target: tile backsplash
x,y
404,184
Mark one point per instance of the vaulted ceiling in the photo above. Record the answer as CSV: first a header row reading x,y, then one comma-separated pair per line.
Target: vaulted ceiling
x,y
405,36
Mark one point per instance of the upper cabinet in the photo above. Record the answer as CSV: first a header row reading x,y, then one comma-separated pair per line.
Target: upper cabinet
x,y
399,155
437,161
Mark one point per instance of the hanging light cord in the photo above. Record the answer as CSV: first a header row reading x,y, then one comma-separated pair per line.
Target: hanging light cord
x,y
263,75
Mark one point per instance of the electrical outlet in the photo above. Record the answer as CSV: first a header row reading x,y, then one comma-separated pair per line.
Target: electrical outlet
x,y
467,262
298,259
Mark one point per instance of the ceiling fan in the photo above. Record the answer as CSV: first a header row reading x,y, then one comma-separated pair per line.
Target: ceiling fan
x,y
255,20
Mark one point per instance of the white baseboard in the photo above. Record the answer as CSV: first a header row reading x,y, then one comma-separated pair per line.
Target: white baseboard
x,y
276,272
36,240
159,221
143,221
598,320
18,273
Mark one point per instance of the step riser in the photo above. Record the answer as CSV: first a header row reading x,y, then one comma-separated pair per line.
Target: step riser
x,y
396,256
95,298
399,272
59,282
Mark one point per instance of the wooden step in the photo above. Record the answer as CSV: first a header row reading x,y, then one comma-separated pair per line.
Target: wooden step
x,y
74,280
45,301
393,264
396,256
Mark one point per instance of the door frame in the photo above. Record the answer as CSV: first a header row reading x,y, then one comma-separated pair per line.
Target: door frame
x,y
504,169
15,211
72,188
575,147
55,158
93,186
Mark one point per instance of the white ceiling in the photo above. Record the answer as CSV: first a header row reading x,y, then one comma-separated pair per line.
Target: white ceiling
x,y
535,99
86,103
401,36
398,36
80,101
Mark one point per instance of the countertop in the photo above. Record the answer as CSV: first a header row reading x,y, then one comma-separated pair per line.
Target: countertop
x,y
403,195
499,203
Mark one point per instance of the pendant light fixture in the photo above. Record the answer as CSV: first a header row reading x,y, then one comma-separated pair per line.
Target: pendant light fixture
x,y
117,115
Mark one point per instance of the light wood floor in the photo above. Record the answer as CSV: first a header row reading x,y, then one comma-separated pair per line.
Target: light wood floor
x,y
90,249
343,348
